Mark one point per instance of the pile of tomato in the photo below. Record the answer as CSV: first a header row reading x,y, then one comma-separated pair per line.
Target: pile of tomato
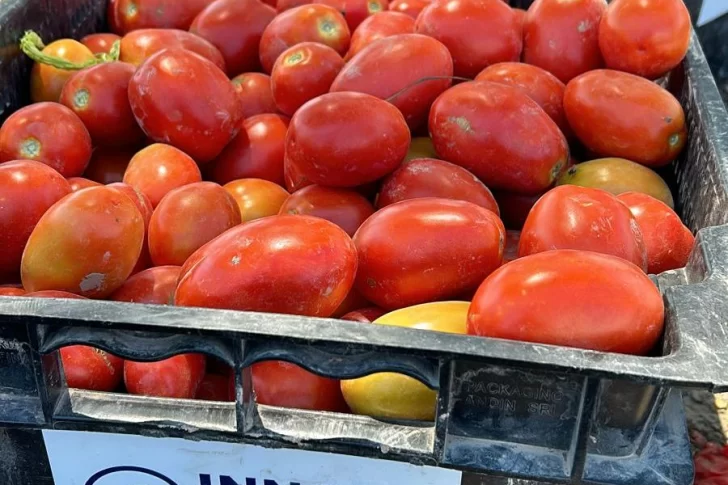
x,y
411,163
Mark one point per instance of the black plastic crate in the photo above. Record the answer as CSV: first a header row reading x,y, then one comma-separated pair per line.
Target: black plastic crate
x,y
505,409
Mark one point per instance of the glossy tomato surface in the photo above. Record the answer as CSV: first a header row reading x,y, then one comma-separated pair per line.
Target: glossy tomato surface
x,y
255,94
356,11
78,183
411,8
100,43
145,207
177,377
91,368
379,26
127,15
140,45
46,81
256,198
152,286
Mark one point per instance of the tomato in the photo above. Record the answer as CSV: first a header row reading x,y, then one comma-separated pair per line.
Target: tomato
x,y
99,97
283,5
573,217
645,37
478,33
441,247
100,43
164,99
616,114
538,84
255,94
140,45
356,11
49,133
91,369
256,198
308,23
54,294
235,27
303,72
396,396
159,168
411,8
379,26
101,224
46,81
346,139
520,14
353,301
256,151
11,291
187,218
428,177
293,178
392,69
667,241
420,147
572,298
78,183
177,377
297,265
108,165
214,387
278,383
152,286
514,208
499,134
144,205
128,15
563,37
345,208
364,315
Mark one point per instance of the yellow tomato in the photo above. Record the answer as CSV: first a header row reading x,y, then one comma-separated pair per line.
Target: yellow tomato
x,y
420,147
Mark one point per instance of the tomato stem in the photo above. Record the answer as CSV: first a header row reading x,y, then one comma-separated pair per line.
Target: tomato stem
x,y
32,45
424,80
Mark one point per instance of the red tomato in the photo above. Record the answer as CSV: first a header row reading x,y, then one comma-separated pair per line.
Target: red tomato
x,y
478,33
256,198
573,217
365,315
99,223
54,294
366,139
392,69
46,81
11,291
563,37
235,27
49,133
283,5
152,286
521,14
303,72
108,165
78,183
428,177
256,151
514,208
128,15
572,298
214,387
187,218
536,83
177,377
159,168
27,190
353,301
281,384
356,11
308,23
163,96
280,264
140,45
145,209
499,134
255,94
379,26
100,43
645,37
91,369
345,208
667,241
423,250
411,8
99,96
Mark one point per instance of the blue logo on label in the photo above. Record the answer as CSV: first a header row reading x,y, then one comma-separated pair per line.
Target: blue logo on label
x,y
97,478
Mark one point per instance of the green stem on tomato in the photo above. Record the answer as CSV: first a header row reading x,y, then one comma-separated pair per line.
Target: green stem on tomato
x,y
32,45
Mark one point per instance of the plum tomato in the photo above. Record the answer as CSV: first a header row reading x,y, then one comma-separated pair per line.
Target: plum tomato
x,y
667,241
99,96
46,81
100,223
573,217
187,218
128,15
78,183
283,5
345,208
100,43
595,301
364,315
178,377
214,387
307,23
356,11
411,8
152,286
48,133
11,291
182,99
297,265
429,177
346,139
140,45
616,114
645,37
278,383
145,209
255,152
303,72
159,168
54,294
396,396
255,94
28,190
478,33
500,134
457,245
538,84
514,208
392,69
108,165
256,198
420,147
379,26
563,37
235,28
91,368
353,301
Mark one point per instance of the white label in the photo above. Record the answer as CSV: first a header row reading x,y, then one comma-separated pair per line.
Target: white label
x,y
711,10
85,458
